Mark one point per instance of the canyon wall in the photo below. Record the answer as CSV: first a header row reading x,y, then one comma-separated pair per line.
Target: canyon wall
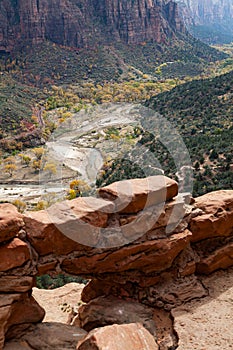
x,y
208,20
86,23
199,12
140,241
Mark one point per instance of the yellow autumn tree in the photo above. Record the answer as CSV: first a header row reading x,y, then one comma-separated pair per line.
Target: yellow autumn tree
x,y
10,169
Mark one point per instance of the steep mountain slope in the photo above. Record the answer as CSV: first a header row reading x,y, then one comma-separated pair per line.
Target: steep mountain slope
x,y
84,23
210,20
57,42
140,33
208,11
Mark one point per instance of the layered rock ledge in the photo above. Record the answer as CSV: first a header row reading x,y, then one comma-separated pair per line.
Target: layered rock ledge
x,y
140,243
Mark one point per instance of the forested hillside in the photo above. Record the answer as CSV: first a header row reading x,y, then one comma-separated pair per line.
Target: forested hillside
x,y
202,112
46,43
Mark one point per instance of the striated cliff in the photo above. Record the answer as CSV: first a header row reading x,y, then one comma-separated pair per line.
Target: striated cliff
x,y
211,20
122,241
85,23
207,11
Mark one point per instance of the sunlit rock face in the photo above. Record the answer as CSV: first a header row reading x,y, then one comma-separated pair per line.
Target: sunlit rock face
x,y
84,23
121,242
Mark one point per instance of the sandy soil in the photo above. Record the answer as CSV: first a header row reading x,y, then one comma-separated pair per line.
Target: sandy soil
x,y
58,302
207,324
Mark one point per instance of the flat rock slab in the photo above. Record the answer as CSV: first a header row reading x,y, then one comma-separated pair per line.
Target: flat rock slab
x,y
131,196
65,227
13,284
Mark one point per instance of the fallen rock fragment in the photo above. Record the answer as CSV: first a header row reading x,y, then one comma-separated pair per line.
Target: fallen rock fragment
x,y
111,310
117,337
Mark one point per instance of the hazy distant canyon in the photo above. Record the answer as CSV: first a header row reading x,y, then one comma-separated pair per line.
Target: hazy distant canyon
x,y
211,20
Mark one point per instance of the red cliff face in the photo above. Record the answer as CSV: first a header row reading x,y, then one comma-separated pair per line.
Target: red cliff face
x,y
84,23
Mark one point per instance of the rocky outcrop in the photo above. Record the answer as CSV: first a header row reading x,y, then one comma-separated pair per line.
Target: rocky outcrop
x,y
83,24
140,194
124,244
212,231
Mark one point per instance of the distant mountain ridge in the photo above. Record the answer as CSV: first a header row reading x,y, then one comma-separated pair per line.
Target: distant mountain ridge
x,y
81,23
210,20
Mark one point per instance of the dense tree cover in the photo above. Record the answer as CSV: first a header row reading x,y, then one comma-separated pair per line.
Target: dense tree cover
x,y
215,32
26,77
202,112
205,103
16,102
48,282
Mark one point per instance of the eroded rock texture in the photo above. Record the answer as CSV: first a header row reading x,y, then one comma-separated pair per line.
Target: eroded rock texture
x,y
124,244
86,23
206,11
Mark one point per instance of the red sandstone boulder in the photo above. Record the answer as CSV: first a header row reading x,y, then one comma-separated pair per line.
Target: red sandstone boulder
x,y
221,258
131,196
17,310
10,221
119,337
96,288
66,226
15,284
149,256
13,254
110,310
216,218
